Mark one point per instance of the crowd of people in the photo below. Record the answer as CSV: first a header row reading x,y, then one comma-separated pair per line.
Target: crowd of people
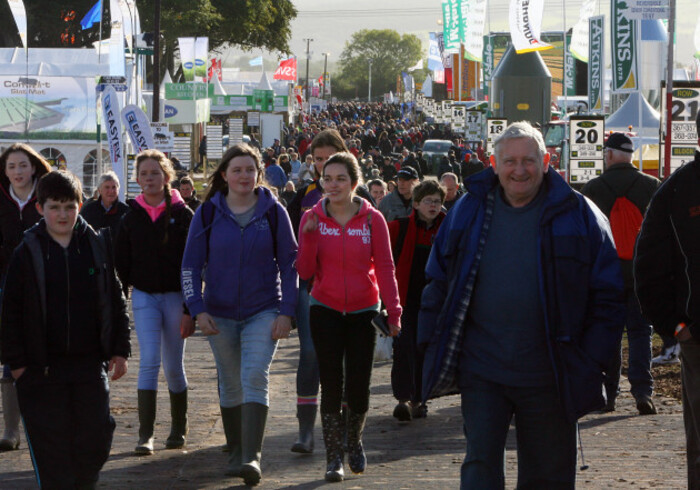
x,y
496,280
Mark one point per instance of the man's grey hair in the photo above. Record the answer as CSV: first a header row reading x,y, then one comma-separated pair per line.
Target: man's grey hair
x,y
449,175
108,176
520,129
619,156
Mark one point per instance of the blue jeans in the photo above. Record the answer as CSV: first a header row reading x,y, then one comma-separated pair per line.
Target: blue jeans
x,y
157,322
307,372
243,351
546,440
639,341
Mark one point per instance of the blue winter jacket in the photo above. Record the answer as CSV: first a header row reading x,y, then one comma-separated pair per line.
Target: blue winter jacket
x,y
580,286
242,276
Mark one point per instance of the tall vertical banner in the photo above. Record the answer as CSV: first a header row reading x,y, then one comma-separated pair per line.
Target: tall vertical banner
x,y
474,29
596,65
526,24
111,120
579,38
623,37
487,64
434,58
138,127
187,57
697,38
117,62
569,67
20,15
201,56
451,26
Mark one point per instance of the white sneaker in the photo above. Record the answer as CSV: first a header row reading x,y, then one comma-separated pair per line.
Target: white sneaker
x,y
668,355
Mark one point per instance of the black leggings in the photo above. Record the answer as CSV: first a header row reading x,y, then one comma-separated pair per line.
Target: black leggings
x,y
343,343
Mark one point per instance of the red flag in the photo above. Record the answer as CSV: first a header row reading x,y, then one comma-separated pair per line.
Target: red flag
x,y
287,70
320,80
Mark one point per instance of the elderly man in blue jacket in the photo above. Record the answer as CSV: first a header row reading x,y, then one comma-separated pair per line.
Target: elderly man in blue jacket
x,y
522,315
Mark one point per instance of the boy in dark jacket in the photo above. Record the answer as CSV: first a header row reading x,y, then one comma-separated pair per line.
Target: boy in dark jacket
x,y
411,240
64,327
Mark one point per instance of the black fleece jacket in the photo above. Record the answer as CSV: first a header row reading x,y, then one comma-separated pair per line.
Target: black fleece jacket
x,y
145,259
13,222
62,303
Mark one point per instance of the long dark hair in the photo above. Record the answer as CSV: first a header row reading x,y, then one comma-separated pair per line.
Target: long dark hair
x,y
217,182
39,164
166,166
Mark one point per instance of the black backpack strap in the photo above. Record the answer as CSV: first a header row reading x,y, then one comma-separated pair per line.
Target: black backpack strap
x,y
207,220
272,219
403,229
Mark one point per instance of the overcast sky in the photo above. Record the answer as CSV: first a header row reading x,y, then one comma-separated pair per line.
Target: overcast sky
x,y
332,22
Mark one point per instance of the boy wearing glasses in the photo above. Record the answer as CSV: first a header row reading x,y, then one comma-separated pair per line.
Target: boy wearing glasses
x,y
411,240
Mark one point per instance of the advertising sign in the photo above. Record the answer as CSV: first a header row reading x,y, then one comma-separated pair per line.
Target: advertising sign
x,y
648,9
162,137
596,63
586,140
457,118
138,128
624,48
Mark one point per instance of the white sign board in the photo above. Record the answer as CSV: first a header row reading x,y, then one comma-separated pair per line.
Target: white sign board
x,y
215,141
182,148
586,154
254,119
494,127
474,122
457,118
235,131
648,9
162,137
685,104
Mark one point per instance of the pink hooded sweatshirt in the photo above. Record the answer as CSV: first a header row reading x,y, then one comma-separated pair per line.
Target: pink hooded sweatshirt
x,y
351,264
155,211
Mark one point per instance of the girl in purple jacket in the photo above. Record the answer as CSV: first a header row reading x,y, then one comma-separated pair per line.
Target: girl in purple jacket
x,y
242,245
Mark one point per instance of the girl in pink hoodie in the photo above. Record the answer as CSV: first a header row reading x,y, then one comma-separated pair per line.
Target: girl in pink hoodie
x,y
344,244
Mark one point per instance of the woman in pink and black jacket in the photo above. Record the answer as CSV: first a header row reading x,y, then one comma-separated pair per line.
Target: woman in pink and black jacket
x,y
344,244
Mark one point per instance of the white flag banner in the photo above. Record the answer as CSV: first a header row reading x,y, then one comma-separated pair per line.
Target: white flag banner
x,y
138,127
201,56
20,15
417,66
474,30
697,39
187,57
113,128
579,38
526,25
128,25
117,67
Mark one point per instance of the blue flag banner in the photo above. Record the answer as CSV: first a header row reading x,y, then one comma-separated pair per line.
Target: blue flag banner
x,y
92,16
256,61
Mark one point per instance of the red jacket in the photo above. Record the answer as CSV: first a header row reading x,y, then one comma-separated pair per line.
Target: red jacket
x,y
350,265
415,235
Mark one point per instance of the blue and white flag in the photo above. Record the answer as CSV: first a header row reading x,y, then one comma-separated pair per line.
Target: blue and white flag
x,y
93,16
138,128
256,61
434,58
111,120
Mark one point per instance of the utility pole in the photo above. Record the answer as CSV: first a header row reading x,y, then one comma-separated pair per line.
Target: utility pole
x,y
369,89
156,64
325,70
308,57
669,90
